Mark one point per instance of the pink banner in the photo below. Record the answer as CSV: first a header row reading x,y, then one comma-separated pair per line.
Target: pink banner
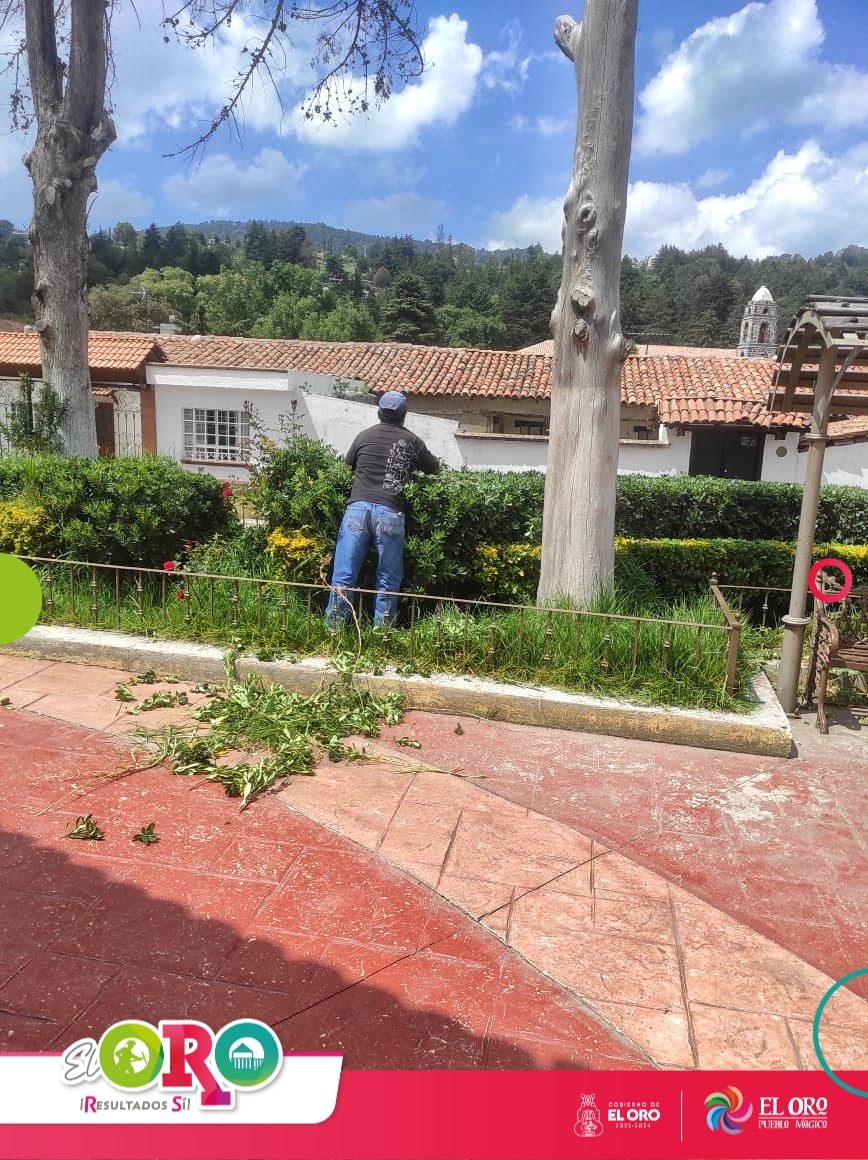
x,y
514,1116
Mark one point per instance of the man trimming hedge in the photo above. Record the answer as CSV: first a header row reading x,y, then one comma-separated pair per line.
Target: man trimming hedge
x,y
383,457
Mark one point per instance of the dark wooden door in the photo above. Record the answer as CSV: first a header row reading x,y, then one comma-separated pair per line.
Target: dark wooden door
x,y
731,454
105,429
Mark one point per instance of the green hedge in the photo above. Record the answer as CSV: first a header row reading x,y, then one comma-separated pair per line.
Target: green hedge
x,y
305,485
667,571
118,511
703,507
681,568
458,516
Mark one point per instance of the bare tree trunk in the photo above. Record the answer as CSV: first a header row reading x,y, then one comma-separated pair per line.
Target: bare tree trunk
x,y
578,553
73,131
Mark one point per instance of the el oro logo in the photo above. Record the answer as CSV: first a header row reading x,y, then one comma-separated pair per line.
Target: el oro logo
x,y
179,1056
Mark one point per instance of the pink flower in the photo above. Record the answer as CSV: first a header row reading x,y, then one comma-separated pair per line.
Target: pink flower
x,y
169,566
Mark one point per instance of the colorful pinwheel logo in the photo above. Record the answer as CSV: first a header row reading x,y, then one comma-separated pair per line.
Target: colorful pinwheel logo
x,y
728,1111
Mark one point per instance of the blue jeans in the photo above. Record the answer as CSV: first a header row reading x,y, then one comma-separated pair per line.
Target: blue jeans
x,y
364,523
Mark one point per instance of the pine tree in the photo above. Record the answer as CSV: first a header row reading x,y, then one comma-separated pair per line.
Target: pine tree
x,y
407,314
152,247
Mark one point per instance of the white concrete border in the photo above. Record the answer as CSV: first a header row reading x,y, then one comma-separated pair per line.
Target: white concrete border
x,y
764,731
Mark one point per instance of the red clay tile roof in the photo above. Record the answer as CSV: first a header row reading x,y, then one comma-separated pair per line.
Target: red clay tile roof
x,y
696,391
687,389
547,346
109,352
416,370
845,430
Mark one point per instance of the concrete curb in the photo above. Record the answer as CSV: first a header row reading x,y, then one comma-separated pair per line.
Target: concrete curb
x,y
765,731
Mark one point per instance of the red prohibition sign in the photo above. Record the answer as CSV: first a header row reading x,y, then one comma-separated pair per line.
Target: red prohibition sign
x,y
830,597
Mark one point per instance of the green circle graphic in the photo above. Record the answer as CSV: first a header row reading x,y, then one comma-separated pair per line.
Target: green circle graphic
x,y
248,1053
123,1048
20,599
816,1033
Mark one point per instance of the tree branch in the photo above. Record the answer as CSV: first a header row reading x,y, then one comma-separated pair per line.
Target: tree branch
x,y
353,31
46,69
88,64
568,34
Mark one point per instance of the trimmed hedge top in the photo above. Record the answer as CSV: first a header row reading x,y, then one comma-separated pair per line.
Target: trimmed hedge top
x,y
476,534
306,484
703,507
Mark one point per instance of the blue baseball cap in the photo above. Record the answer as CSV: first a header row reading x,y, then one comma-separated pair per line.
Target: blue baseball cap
x,y
393,403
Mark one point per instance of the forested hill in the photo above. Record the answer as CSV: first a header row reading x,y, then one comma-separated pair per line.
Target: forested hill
x,y
320,235
289,280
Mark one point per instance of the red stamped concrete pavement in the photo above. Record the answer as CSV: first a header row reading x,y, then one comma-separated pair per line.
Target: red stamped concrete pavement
x,y
640,878
261,914
779,843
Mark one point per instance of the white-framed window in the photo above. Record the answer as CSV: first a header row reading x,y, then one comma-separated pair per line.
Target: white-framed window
x,y
216,436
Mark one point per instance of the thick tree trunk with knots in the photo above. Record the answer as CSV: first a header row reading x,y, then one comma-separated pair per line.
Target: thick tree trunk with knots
x,y
73,131
578,553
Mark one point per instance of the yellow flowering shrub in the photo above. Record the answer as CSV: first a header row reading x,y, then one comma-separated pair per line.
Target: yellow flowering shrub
x,y
509,571
298,554
24,528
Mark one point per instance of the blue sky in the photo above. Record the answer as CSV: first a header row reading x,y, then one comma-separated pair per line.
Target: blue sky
x,y
751,130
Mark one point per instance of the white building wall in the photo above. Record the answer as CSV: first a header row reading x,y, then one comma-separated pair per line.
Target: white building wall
x,y
530,452
269,400
845,463
338,421
503,453
669,456
278,398
781,460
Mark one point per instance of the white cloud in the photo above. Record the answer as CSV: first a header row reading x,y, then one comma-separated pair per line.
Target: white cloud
x,y
221,186
115,202
444,91
804,202
712,177
167,85
508,68
397,214
529,221
743,72
544,126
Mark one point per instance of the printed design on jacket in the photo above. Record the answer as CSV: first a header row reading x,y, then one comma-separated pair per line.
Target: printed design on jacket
x,y
400,464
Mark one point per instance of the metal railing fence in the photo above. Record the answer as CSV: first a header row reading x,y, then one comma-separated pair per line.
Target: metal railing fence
x,y
473,636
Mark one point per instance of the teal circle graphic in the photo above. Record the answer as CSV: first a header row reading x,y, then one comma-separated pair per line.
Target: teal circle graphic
x,y
20,599
816,1033
248,1053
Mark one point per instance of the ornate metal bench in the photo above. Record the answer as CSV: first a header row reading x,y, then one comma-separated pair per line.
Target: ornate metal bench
x,y
840,641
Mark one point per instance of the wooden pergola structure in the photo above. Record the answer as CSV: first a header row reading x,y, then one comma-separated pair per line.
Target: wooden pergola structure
x,y
822,369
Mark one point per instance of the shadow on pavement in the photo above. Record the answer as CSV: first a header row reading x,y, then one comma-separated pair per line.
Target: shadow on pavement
x,y
81,949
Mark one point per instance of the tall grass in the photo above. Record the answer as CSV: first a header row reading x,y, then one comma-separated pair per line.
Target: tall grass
x,y
652,661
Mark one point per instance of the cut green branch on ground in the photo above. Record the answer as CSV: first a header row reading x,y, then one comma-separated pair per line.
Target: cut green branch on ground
x,y
158,701
271,731
87,829
147,835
